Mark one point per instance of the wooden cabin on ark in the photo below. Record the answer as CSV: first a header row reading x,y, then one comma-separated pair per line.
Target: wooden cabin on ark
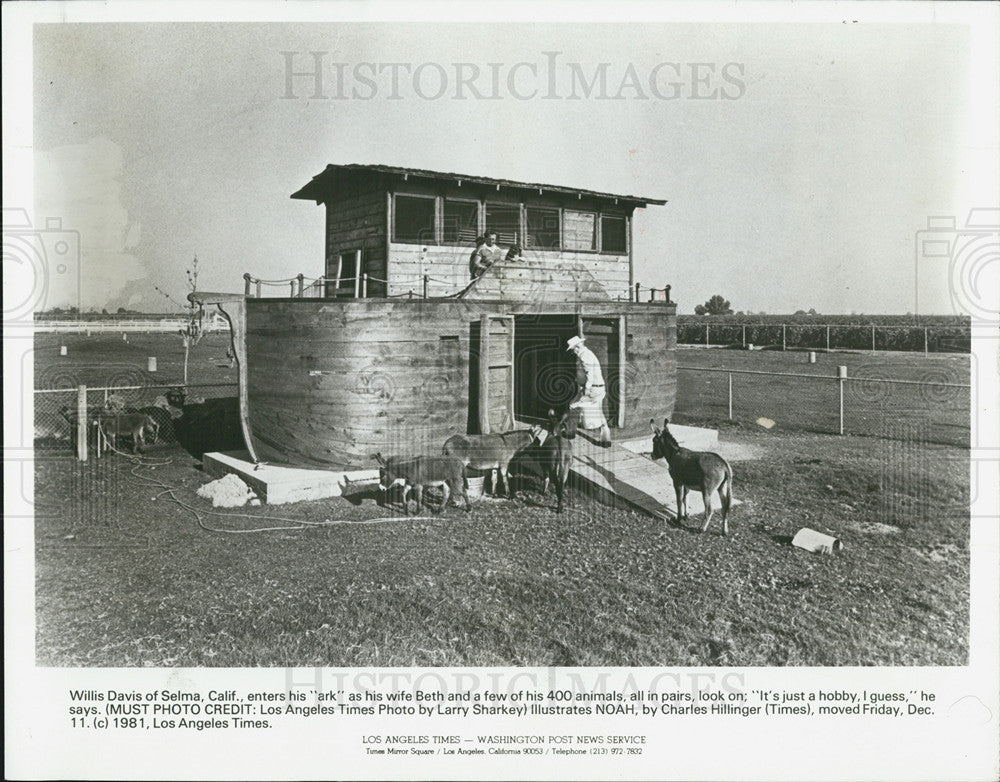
x,y
394,348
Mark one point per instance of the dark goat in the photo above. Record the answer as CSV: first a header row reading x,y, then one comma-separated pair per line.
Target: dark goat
x,y
701,470
555,456
491,451
423,472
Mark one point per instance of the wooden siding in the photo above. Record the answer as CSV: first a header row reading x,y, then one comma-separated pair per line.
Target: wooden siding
x,y
448,271
330,383
650,369
356,219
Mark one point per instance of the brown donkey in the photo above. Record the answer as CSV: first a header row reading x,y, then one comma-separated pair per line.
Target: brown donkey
x,y
701,470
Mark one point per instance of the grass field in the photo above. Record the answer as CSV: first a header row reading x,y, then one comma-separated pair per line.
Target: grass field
x,y
129,571
923,410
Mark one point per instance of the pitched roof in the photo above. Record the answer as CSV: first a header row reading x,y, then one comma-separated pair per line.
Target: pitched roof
x,y
314,190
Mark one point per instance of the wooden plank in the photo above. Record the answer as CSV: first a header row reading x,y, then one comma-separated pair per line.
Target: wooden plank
x,y
484,377
622,371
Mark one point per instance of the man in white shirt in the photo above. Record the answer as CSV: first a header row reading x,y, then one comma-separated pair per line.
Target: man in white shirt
x,y
485,255
587,410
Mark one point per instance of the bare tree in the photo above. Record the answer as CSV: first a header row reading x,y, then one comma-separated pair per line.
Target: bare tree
x,y
193,331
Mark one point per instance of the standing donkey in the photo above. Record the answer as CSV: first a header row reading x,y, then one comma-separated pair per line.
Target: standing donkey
x,y
701,470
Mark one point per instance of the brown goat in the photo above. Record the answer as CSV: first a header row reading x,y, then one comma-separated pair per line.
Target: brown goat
x,y
423,472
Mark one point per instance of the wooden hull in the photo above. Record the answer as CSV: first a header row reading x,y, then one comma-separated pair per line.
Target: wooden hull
x,y
331,383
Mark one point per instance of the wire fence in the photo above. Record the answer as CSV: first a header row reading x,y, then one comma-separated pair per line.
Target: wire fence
x,y
911,410
86,420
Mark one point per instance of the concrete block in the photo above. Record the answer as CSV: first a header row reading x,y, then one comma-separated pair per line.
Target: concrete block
x,y
277,485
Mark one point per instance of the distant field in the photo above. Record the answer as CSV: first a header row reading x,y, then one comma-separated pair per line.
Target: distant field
x,y
924,412
936,334
107,360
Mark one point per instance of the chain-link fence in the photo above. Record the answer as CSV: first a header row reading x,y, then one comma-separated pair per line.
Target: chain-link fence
x,y
914,410
90,420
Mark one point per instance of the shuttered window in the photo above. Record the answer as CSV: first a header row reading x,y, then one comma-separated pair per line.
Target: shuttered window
x,y
461,221
613,234
413,220
579,230
505,219
542,229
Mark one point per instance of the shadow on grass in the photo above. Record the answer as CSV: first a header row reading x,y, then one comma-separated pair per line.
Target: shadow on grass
x,y
212,425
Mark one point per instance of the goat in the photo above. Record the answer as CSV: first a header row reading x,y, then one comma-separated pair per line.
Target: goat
x,y
161,419
555,456
132,425
423,472
491,451
702,470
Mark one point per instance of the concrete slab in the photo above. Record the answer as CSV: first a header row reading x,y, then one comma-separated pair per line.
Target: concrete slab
x,y
280,485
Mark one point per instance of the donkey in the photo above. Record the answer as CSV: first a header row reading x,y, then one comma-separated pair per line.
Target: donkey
x,y
424,472
556,455
491,451
707,472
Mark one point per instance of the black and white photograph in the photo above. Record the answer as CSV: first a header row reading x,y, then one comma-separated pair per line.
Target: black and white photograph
x,y
556,391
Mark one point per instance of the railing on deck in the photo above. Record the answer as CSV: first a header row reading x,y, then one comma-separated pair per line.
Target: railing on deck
x,y
301,287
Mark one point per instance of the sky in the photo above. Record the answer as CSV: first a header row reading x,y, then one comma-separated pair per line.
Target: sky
x,y
799,161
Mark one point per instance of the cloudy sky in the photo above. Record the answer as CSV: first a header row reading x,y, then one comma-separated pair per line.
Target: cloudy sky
x,y
799,160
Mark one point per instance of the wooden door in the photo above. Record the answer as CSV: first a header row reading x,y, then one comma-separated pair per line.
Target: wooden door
x,y
605,337
496,373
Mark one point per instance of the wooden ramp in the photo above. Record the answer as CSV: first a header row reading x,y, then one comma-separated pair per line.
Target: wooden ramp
x,y
621,473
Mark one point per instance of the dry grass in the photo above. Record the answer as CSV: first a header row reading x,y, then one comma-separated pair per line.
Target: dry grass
x,y
127,581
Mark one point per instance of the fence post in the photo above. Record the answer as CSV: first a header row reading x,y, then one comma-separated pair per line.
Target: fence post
x,y
925,340
706,335
425,286
782,336
652,294
637,293
873,339
258,288
302,283
246,284
744,335
82,423
828,338
291,292
666,294
841,379
730,396
364,285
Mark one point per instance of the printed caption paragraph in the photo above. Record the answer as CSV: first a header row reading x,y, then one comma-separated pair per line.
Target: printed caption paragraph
x,y
235,710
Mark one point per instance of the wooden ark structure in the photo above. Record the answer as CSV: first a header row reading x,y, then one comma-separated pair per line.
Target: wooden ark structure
x,y
394,349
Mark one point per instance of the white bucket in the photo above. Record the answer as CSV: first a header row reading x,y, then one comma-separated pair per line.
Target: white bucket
x,y
750,346
475,488
62,350
151,364
812,357
816,542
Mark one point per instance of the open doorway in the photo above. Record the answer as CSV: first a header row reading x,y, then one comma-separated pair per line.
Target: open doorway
x,y
545,372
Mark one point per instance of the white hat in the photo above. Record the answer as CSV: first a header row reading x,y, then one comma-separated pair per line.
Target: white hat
x,y
573,342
